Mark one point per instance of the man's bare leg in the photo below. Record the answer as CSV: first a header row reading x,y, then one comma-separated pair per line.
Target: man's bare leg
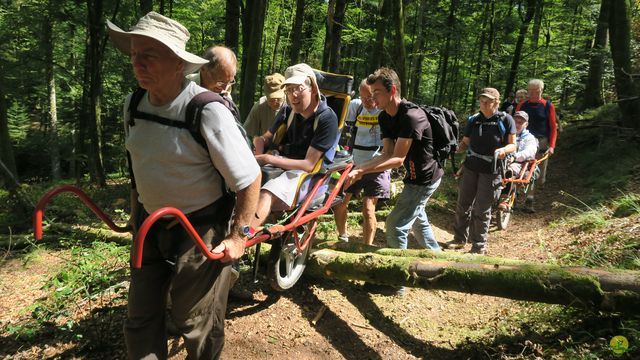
x,y
340,214
370,223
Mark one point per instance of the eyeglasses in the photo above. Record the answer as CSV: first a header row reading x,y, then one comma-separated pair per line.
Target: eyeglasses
x,y
297,90
225,84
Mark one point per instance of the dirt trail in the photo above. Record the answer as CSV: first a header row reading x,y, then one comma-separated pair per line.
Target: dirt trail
x,y
355,324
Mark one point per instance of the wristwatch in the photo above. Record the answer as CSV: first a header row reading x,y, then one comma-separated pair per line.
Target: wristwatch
x,y
244,230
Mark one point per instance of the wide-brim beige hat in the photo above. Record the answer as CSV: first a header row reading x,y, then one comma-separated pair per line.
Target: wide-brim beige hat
x,y
158,27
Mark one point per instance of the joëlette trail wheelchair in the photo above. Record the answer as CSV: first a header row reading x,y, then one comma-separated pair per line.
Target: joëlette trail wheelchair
x,y
291,237
515,186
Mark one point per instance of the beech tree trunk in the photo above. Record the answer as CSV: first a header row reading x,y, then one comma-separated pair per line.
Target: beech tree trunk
x,y
572,286
232,25
54,149
377,50
401,51
442,79
96,29
336,36
593,87
253,23
620,39
531,5
296,33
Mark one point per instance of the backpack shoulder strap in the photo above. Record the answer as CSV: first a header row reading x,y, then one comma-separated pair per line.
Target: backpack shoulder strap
x,y
193,117
136,97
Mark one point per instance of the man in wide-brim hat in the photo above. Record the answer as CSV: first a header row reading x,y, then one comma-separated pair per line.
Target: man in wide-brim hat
x,y
172,168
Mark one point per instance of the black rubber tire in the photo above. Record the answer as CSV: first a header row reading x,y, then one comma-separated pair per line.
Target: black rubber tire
x,y
286,263
502,218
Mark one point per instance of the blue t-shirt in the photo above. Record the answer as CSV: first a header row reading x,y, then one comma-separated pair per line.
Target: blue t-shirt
x,y
485,136
301,134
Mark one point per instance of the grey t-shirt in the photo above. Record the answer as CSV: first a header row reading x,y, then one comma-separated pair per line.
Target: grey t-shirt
x,y
172,169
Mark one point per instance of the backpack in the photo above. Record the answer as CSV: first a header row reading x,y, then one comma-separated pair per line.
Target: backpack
x,y
503,129
444,129
193,116
193,119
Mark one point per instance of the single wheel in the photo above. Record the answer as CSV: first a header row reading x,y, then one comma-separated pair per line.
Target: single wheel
x,y
286,261
503,217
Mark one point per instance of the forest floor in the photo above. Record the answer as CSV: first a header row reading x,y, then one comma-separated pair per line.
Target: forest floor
x,y
358,324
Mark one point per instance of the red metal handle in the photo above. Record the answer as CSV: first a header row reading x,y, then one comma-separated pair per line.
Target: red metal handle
x,y
159,214
38,214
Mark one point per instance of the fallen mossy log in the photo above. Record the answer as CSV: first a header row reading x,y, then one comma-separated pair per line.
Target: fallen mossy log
x,y
597,289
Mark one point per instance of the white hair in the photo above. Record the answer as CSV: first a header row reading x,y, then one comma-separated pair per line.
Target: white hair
x,y
537,83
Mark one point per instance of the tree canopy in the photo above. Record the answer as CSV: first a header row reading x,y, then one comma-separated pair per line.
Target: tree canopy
x,y
64,83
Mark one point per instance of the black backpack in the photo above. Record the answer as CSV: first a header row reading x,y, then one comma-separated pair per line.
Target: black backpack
x,y
193,118
445,129
193,114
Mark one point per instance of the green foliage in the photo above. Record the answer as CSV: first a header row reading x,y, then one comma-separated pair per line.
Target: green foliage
x,y
626,205
614,252
85,276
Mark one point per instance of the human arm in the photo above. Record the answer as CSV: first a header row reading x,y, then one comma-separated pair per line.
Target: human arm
x,y
463,145
509,148
553,128
393,155
262,142
529,149
307,164
246,202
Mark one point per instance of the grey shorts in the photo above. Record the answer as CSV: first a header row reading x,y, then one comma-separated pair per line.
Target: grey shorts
x,y
373,185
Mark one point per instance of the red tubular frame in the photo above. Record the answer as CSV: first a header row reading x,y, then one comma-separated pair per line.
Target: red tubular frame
x,y
527,169
38,214
162,213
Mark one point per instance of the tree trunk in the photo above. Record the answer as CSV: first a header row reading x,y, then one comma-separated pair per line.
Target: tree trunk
x,y
535,32
513,279
9,174
253,24
54,149
296,33
336,36
491,36
377,51
146,6
328,37
442,83
274,57
232,25
479,51
619,41
564,95
401,50
416,54
531,6
96,30
592,95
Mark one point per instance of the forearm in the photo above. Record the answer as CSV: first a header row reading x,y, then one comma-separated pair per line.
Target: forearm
x,y
380,163
246,203
292,164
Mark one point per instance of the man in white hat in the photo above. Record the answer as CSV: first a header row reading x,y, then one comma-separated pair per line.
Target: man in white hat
x,y
171,168
311,134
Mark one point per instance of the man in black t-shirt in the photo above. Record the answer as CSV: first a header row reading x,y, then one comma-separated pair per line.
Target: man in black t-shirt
x,y
311,134
408,141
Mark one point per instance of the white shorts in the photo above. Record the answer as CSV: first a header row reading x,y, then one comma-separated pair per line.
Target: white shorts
x,y
285,188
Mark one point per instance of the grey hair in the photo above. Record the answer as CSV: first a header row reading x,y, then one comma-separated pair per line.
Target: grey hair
x,y
217,55
537,83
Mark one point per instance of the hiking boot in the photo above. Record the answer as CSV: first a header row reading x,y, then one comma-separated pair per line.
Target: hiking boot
x,y
528,206
343,238
480,250
240,293
454,245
